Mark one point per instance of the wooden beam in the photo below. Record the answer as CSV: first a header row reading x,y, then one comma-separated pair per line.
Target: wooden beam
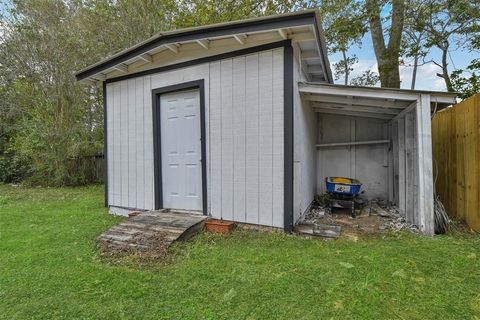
x,y
88,81
172,47
315,70
352,143
353,114
395,157
410,168
121,67
241,38
309,55
99,77
405,111
425,168
283,34
362,92
303,36
204,43
355,108
146,57
401,166
349,100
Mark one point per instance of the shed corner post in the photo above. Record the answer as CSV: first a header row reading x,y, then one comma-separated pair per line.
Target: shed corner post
x,y
288,137
425,193
105,146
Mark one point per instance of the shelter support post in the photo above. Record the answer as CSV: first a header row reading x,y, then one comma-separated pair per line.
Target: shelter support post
x,y
424,164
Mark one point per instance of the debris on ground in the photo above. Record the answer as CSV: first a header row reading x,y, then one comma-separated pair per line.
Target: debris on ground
x,y
372,217
321,230
442,221
145,246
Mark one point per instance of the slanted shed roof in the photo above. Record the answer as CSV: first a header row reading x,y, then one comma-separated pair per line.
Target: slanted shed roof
x,y
373,102
302,26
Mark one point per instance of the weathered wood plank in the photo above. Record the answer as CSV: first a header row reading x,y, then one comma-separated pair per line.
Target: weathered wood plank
x,y
456,138
142,232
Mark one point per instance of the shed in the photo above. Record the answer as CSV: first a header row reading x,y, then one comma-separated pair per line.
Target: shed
x,y
241,121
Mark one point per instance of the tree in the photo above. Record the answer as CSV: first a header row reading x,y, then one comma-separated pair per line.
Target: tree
x,y
190,13
344,26
448,25
414,38
387,55
48,120
343,68
467,82
366,79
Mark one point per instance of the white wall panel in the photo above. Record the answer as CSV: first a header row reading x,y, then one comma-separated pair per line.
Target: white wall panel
x,y
239,128
244,128
278,140
265,137
110,140
215,139
227,138
115,157
148,143
305,153
252,127
139,143
132,146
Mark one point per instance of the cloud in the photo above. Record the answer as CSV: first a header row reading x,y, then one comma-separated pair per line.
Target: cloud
x,y
358,68
427,78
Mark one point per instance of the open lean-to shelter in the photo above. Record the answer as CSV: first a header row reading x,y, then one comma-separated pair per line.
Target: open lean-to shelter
x,y
241,121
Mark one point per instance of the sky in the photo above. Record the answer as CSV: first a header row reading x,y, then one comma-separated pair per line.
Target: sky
x,y
426,74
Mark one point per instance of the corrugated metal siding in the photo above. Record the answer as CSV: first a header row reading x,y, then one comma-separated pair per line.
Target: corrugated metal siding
x,y
244,125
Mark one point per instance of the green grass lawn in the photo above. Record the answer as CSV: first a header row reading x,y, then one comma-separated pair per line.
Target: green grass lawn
x,y
51,269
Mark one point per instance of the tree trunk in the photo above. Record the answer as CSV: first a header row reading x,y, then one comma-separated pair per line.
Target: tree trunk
x,y
387,56
346,70
414,73
445,74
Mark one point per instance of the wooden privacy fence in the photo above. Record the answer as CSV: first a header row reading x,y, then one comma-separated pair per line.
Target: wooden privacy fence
x,y
456,160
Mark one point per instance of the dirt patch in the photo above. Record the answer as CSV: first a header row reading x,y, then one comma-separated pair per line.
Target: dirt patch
x,y
375,217
143,248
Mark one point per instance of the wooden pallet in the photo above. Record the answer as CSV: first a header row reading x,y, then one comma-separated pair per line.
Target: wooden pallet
x,y
150,230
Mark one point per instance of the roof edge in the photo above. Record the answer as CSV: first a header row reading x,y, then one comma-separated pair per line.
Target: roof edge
x,y
194,33
342,86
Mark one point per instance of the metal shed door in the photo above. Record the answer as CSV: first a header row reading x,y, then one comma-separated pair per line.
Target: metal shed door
x,y
181,150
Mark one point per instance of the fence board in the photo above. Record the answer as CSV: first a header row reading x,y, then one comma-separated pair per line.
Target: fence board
x,y
456,153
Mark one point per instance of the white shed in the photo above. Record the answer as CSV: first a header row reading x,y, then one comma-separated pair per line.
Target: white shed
x,y
240,121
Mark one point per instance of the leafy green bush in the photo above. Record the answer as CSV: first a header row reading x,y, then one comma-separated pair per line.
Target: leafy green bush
x,y
12,168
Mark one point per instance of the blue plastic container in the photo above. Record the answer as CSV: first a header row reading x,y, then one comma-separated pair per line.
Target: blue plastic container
x,y
349,189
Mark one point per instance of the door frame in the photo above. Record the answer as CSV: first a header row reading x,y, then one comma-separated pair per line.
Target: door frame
x,y
157,139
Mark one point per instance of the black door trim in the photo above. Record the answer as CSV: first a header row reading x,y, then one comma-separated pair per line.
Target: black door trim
x,y
157,139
